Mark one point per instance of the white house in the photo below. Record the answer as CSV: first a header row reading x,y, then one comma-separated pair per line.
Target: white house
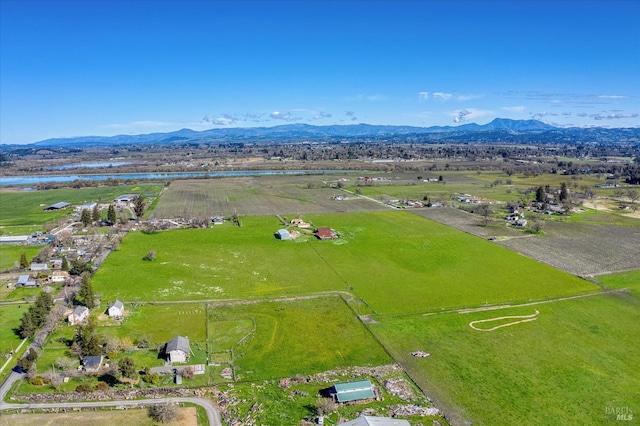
x,y
39,266
59,276
116,309
177,349
79,314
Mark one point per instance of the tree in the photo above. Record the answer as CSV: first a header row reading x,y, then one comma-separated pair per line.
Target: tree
x,y
564,192
325,406
138,206
85,218
633,195
79,267
85,295
95,214
111,214
86,340
540,195
27,328
65,264
163,413
127,367
484,210
23,261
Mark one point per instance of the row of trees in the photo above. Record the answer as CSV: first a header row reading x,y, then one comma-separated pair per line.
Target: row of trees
x,y
88,217
36,316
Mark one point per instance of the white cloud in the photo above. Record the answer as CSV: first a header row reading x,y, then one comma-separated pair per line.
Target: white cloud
x,y
277,115
517,108
468,114
423,96
442,96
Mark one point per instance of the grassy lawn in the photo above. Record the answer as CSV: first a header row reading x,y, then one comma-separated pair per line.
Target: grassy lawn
x,y
26,208
568,367
10,255
298,337
10,316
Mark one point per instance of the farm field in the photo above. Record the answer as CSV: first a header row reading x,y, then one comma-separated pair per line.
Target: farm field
x,y
139,417
254,196
628,279
578,247
26,208
573,364
289,338
397,262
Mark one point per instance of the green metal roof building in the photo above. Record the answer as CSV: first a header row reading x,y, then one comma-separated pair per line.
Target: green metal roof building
x,y
353,391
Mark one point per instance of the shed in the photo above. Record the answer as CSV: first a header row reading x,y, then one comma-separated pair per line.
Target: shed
x,y
326,233
375,421
283,234
353,391
126,198
177,349
85,206
58,206
92,362
14,239
116,309
26,281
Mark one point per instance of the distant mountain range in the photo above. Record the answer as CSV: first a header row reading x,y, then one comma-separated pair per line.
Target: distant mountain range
x,y
499,130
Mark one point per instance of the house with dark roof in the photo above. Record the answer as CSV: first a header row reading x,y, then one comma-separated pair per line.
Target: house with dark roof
x,y
92,363
78,315
353,391
177,349
58,206
116,309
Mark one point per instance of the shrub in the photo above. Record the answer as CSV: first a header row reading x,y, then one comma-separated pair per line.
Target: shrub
x,y
36,381
102,386
84,388
163,413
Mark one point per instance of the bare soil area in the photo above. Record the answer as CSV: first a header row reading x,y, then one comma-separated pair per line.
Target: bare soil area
x,y
580,249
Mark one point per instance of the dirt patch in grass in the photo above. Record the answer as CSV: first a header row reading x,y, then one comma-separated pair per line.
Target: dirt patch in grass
x,y
188,417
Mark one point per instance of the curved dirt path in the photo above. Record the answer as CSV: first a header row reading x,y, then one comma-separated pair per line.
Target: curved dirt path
x,y
527,318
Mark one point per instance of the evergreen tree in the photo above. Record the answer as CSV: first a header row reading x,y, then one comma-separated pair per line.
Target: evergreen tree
x,y
564,192
95,214
138,206
85,294
24,264
27,329
65,264
540,195
111,214
85,218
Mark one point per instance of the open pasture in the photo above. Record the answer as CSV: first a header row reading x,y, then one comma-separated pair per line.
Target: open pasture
x,y
628,279
253,196
10,255
575,361
294,337
397,262
139,417
26,207
10,316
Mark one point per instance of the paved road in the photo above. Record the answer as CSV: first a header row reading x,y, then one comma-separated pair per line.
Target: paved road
x,y
212,412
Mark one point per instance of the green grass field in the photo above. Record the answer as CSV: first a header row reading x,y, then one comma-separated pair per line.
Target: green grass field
x,y
395,261
568,367
26,208
10,255
290,338
10,316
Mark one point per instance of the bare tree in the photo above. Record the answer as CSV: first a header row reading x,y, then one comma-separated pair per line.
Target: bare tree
x,y
325,406
163,413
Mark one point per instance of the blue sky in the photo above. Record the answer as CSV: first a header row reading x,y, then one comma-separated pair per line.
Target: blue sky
x,y
74,68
